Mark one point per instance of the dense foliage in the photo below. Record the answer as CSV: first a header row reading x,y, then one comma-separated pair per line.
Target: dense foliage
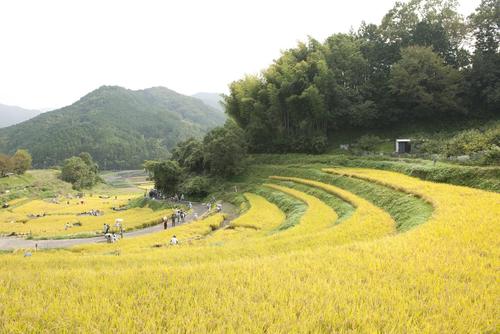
x,y
224,150
481,146
414,66
19,163
81,171
194,162
120,128
166,174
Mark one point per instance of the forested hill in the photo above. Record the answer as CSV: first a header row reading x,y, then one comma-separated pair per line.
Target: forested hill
x,y
120,128
10,115
212,99
414,66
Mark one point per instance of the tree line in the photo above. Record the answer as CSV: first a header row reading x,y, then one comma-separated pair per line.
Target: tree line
x,y
424,61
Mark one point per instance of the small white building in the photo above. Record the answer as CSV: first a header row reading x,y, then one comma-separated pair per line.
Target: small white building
x,y
403,146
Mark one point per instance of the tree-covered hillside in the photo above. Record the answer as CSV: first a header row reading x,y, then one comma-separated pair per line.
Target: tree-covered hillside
x,y
212,99
423,63
120,128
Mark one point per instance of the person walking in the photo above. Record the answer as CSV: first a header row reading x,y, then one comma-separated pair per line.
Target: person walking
x,y
173,219
165,222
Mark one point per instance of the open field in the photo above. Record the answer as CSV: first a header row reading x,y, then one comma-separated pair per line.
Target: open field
x,y
127,180
349,260
39,183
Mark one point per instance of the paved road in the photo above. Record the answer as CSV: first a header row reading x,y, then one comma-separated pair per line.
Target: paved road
x,y
12,243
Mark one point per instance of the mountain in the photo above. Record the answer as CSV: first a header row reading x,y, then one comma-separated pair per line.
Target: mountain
x,y
10,115
119,127
210,99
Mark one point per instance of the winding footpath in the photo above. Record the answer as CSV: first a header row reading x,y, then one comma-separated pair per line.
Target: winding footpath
x,y
13,243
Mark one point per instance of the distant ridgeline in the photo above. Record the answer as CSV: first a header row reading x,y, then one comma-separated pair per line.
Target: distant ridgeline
x,y
10,115
120,128
414,66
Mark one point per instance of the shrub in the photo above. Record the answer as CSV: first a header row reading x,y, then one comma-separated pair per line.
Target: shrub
x,y
318,145
491,156
466,142
368,142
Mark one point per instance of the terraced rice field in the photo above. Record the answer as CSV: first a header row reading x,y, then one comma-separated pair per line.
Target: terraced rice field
x,y
367,269
63,217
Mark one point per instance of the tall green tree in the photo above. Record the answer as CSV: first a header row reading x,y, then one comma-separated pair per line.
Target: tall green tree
x,y
21,161
424,86
166,174
5,164
80,171
483,79
249,105
189,155
225,150
433,23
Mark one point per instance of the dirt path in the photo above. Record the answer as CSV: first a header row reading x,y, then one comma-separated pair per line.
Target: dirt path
x,y
12,243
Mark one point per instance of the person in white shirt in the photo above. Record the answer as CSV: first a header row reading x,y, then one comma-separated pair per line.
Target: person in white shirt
x,y
174,241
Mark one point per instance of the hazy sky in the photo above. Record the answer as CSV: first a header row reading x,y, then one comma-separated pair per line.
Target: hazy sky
x,y
52,52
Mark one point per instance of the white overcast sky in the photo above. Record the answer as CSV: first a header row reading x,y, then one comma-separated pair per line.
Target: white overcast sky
x,y
52,52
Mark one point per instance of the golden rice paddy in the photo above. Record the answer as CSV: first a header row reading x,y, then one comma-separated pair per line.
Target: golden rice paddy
x,y
357,276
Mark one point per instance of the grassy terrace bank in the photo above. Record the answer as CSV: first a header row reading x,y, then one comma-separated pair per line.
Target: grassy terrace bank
x,y
486,178
407,210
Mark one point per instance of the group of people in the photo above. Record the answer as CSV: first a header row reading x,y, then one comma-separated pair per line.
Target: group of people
x,y
218,206
37,215
156,194
177,198
178,216
92,213
110,235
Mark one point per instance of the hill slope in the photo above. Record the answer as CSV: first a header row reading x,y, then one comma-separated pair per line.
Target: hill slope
x,y
10,115
119,127
210,99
